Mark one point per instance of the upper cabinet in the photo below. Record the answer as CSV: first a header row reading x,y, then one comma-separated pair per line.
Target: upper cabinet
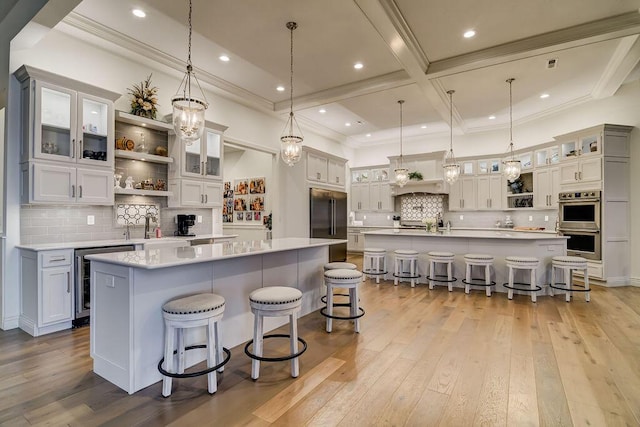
x,y
324,168
489,166
547,156
584,145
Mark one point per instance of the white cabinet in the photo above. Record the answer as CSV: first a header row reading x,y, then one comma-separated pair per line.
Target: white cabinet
x,y
546,186
202,159
490,192
581,145
584,170
322,168
462,194
489,166
355,240
53,183
360,197
336,172
47,291
547,156
317,167
371,190
380,197
195,193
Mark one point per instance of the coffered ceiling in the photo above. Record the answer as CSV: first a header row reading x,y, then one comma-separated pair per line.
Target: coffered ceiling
x,y
411,49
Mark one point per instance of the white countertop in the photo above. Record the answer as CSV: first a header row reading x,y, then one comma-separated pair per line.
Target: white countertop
x,y
468,233
118,242
170,257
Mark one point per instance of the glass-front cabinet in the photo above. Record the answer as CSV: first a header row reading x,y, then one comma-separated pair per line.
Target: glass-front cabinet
x,y
547,156
583,146
489,166
203,157
360,176
380,175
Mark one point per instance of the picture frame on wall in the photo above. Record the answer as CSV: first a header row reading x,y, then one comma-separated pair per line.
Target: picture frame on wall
x,y
240,204
239,216
241,187
257,216
257,186
257,203
248,216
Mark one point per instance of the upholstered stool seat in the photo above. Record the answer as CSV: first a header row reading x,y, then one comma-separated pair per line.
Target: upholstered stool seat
x,y
522,263
374,263
190,312
479,260
346,279
403,257
445,258
340,265
275,301
566,264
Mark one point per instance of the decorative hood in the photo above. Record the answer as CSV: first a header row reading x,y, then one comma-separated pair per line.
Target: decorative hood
x,y
429,186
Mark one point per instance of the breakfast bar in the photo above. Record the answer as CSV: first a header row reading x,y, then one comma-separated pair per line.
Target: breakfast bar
x,y
497,242
129,289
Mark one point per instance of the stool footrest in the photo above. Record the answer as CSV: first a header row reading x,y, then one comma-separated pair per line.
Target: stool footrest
x,y
195,374
516,288
435,279
564,288
323,311
478,282
324,300
374,272
406,276
275,359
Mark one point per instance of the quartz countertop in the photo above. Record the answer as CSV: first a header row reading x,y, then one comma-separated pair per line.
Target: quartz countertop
x,y
471,233
118,242
171,256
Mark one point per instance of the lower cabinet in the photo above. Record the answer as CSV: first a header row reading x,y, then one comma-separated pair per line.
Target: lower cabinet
x,y
47,291
355,241
194,193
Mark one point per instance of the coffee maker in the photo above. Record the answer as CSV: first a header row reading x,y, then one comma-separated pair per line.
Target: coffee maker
x,y
184,222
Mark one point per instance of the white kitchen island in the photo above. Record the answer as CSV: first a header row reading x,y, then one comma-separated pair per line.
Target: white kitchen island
x,y
129,288
499,243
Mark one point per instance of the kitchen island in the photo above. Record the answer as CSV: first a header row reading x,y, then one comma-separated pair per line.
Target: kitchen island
x,y
129,289
499,243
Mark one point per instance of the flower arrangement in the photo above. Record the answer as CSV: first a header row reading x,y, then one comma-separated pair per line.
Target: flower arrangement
x,y
430,223
144,99
416,176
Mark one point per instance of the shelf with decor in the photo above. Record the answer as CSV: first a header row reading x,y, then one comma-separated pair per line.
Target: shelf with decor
x,y
137,192
132,119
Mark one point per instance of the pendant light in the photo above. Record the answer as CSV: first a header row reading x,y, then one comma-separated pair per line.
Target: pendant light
x,y
188,110
402,173
451,167
512,167
291,139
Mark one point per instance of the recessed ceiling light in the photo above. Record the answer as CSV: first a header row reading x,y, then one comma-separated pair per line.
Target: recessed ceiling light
x,y
368,135
492,117
322,111
143,125
280,88
469,33
544,95
139,13
423,127
358,65
347,124
94,112
224,58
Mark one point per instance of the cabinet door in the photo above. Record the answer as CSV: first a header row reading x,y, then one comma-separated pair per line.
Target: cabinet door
x,y
590,170
352,241
191,193
554,187
483,199
569,172
55,123
56,295
386,201
379,196
316,168
94,187
360,197
541,188
468,193
496,192
455,196
192,163
360,242
336,172
212,155
95,132
212,194
52,183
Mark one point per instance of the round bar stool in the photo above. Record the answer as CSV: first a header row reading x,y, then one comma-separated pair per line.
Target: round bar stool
x,y
340,265
480,260
566,264
402,257
191,312
349,279
374,263
275,301
445,258
522,263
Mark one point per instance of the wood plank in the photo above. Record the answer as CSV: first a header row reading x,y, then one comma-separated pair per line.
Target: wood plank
x,y
553,408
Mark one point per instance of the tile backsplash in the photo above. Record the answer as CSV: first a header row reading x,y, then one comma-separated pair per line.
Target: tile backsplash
x,y
417,207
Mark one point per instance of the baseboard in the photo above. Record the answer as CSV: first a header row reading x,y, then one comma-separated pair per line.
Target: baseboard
x,y
635,281
10,323
28,326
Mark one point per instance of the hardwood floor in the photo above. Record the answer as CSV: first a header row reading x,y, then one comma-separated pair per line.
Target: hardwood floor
x,y
422,358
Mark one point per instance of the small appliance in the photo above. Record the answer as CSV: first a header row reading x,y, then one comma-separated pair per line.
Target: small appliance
x,y
184,222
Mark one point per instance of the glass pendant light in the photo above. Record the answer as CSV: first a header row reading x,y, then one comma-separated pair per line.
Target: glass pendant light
x,y
188,110
291,139
512,167
451,167
402,173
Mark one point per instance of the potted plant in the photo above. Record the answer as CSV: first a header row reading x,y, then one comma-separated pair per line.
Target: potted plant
x,y
415,176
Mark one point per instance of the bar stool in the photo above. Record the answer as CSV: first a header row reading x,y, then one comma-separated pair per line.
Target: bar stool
x,y
275,301
374,263
191,312
445,258
522,263
480,260
340,265
349,279
566,264
403,256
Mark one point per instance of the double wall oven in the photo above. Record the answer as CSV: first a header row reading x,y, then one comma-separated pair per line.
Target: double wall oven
x,y
579,218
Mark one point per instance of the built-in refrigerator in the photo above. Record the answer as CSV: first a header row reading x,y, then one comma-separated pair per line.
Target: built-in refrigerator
x,y
328,219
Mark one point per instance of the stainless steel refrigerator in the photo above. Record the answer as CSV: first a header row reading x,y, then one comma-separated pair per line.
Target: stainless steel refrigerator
x,y
328,219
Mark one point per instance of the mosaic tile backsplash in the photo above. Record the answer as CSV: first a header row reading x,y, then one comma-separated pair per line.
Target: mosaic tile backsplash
x,y
417,207
134,214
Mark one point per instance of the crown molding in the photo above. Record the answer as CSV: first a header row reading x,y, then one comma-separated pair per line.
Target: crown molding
x,y
622,62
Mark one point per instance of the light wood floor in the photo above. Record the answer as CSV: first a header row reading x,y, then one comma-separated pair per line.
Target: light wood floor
x,y
423,358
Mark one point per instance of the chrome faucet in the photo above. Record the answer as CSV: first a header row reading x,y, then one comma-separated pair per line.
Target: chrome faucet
x,y
146,224
127,231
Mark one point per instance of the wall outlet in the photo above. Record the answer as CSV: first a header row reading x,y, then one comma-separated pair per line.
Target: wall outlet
x,y
530,218
461,217
546,218
199,219
364,217
91,219
388,217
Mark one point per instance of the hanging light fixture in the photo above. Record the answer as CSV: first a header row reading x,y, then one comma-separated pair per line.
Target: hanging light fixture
x,y
451,167
512,167
188,110
402,173
291,139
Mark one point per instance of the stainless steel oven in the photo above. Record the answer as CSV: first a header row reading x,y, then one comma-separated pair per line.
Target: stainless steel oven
x,y
582,242
580,210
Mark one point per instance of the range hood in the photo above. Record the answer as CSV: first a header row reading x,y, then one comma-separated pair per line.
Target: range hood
x,y
430,186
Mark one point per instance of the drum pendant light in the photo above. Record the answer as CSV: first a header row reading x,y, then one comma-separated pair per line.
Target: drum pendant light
x,y
451,167
511,167
188,110
291,138
402,173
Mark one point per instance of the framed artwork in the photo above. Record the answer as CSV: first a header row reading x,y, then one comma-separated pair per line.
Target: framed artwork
x,y
257,203
240,204
239,216
257,216
248,216
257,186
241,187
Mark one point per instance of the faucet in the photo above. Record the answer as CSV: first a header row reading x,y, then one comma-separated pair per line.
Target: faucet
x,y
146,224
127,232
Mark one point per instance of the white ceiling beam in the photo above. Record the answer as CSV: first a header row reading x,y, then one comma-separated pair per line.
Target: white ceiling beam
x,y
622,62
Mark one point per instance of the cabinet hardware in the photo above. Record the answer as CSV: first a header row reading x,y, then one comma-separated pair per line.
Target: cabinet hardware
x,y
73,191
80,191
204,168
202,198
580,175
317,175
58,258
575,176
73,148
206,198
68,283
337,180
